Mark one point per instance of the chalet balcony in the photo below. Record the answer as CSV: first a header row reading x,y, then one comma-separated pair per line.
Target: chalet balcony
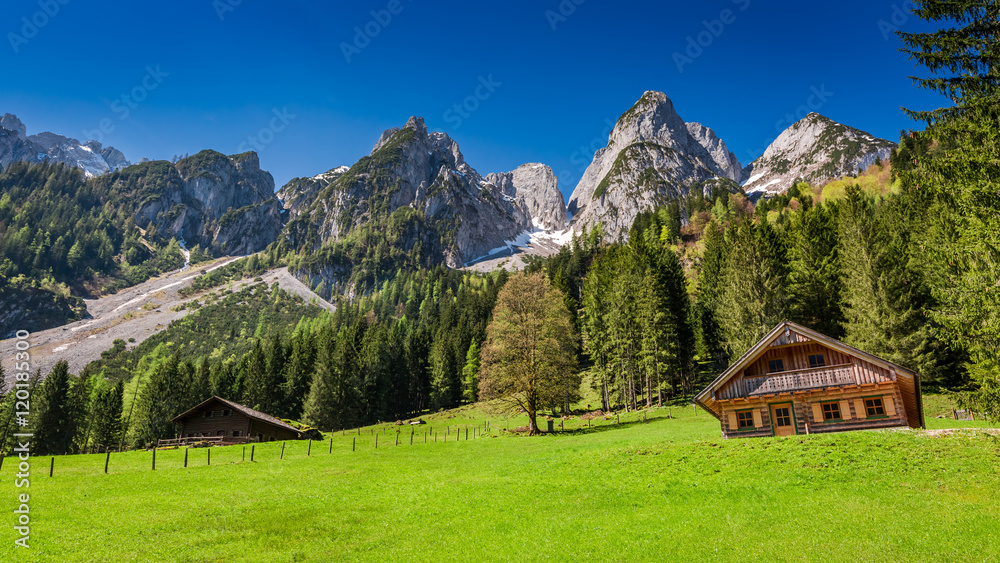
x,y
784,382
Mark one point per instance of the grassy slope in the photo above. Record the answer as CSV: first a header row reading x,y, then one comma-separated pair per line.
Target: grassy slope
x,y
669,489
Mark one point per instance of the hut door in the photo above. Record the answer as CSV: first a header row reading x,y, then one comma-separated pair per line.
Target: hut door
x,y
783,419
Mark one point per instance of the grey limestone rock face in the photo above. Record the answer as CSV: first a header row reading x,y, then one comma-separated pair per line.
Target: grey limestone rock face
x,y
652,156
90,157
11,122
411,167
224,203
815,149
537,186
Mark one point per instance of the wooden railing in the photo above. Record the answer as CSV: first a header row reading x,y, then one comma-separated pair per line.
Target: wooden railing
x,y
795,381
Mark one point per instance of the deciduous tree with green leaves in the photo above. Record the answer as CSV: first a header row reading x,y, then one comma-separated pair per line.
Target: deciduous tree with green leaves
x,y
528,357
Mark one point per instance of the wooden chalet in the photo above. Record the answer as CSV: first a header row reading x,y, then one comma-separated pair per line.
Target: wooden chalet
x,y
224,422
798,381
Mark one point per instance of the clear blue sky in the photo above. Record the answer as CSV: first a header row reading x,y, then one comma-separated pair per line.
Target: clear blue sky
x,y
556,81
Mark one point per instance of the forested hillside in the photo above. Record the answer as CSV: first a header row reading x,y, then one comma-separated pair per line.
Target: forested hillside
x,y
62,237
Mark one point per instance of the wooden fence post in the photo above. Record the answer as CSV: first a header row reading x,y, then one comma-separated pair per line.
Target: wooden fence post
x,y
154,457
186,457
282,451
354,443
412,431
588,423
397,438
376,441
253,448
244,453
331,445
466,433
52,464
107,460
209,456
425,436
310,449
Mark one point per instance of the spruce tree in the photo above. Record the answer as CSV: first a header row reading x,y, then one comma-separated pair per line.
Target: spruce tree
x,y
964,61
815,285
755,295
55,426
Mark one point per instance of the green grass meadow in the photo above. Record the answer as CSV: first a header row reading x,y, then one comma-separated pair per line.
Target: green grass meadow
x,y
668,489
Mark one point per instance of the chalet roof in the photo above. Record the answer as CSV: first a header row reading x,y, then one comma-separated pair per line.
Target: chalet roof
x,y
254,414
785,329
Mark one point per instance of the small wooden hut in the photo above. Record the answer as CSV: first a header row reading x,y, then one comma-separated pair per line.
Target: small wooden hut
x,y
798,381
225,422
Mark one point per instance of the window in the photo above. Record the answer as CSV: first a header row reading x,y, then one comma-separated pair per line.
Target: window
x,y
783,416
227,412
874,407
831,412
220,432
209,414
775,365
816,360
744,420
236,433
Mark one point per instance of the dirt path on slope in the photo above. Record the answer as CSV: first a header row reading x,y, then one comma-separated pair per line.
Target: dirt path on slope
x,y
137,312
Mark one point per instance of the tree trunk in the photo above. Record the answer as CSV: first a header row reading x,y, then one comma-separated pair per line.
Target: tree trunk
x,y
532,424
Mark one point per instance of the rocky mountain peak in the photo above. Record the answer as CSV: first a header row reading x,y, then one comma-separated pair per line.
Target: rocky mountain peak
x,y
652,117
537,186
815,149
652,156
223,203
11,122
91,157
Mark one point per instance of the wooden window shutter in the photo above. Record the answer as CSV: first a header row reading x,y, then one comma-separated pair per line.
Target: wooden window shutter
x,y
757,422
859,408
732,420
845,410
817,412
890,405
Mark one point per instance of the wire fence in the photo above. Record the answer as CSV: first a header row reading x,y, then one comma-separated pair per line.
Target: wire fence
x,y
358,439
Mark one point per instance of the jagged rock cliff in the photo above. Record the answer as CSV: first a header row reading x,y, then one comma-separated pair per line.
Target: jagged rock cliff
x,y
91,157
652,156
417,191
226,204
815,149
537,187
